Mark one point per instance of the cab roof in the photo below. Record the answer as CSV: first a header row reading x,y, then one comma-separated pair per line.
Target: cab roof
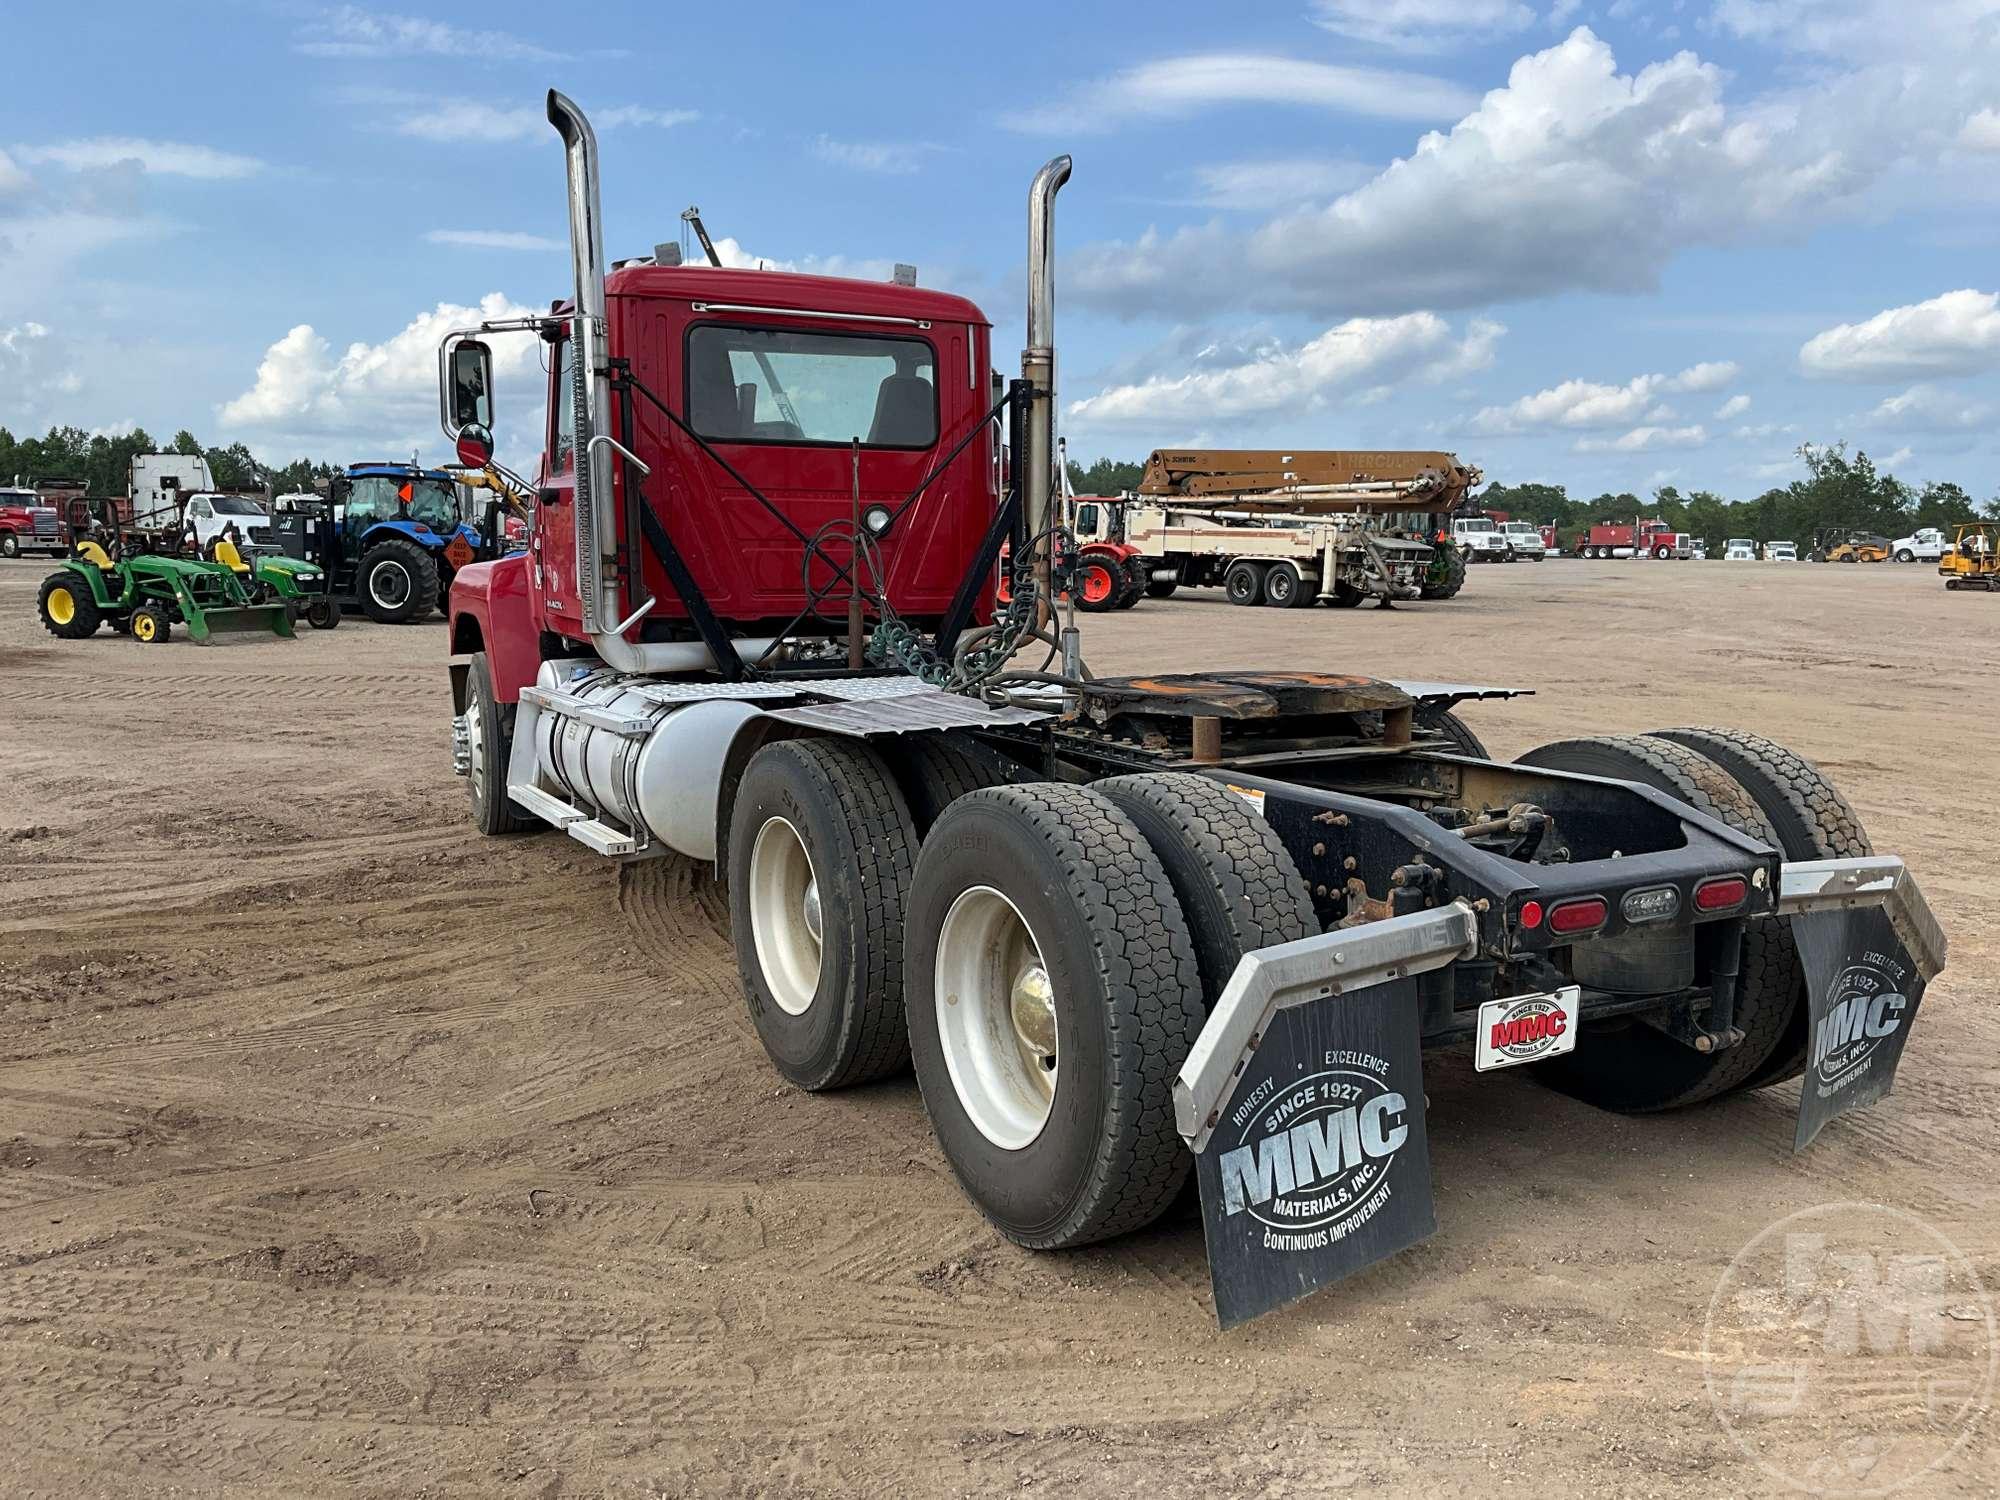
x,y
793,289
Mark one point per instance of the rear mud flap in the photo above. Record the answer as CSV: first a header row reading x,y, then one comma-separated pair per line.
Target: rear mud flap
x,y
1869,945
1862,991
1303,1101
1320,1165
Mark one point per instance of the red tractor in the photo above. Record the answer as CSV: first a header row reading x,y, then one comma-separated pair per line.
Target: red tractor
x,y
1124,929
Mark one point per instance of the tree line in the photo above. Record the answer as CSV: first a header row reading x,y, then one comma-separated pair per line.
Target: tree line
x,y
103,461
1839,490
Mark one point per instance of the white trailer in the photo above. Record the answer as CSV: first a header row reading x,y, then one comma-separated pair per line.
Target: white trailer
x,y
160,483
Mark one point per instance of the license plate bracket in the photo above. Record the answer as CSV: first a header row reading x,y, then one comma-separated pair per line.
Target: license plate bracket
x,y
1526,1028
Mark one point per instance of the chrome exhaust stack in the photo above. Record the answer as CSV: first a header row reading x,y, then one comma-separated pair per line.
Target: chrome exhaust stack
x,y
596,519
1038,364
591,388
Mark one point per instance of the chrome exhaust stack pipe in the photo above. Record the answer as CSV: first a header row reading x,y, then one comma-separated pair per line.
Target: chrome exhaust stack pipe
x,y
591,389
1038,366
596,518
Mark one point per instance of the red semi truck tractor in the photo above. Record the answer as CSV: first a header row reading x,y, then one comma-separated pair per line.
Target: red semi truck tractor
x,y
1640,539
29,522
1123,929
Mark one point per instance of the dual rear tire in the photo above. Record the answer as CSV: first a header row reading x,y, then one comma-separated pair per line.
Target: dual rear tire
x,y
1777,797
1045,956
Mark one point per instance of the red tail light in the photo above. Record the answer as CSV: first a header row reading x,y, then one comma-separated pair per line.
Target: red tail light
x,y
1578,916
1720,895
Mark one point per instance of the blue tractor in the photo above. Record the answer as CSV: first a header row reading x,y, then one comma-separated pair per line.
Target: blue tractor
x,y
389,537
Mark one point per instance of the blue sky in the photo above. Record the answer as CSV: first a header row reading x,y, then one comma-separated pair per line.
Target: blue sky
x,y
1607,245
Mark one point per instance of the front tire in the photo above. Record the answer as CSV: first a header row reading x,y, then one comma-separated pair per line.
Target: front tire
x,y
323,615
1054,995
150,625
397,581
490,738
821,849
1098,585
10,545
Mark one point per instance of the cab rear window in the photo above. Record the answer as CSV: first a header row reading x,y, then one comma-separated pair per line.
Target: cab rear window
x,y
781,385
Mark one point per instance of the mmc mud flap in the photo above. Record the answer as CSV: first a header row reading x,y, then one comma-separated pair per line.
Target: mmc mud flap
x,y
1303,1099
1869,945
1303,1096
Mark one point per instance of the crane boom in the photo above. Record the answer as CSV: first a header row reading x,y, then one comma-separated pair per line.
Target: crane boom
x,y
1307,482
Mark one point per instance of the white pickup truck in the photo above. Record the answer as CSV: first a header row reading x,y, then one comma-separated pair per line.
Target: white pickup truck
x,y
208,516
1925,545
1740,549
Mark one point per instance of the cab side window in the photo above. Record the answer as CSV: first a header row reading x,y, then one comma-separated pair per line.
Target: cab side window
x,y
562,399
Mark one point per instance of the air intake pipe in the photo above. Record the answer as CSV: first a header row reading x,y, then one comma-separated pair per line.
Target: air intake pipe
x,y
1038,362
596,523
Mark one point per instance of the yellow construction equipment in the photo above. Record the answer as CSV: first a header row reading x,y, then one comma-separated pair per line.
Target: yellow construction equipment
x,y
1974,559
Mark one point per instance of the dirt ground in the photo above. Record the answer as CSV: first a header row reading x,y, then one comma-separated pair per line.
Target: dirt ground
x,y
343,1152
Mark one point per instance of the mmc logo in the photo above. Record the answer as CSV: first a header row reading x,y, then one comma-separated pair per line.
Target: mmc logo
x,y
1322,1149
1528,1030
1865,1007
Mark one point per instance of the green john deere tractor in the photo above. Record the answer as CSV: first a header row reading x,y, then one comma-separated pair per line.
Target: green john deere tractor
x,y
145,594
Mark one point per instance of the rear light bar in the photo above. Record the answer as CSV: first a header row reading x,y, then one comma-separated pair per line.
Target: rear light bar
x,y
1721,894
1572,917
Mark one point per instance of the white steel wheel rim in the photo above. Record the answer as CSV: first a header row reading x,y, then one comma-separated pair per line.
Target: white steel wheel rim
x,y
389,584
785,916
996,1017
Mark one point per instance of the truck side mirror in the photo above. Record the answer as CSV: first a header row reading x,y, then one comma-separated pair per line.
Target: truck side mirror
x,y
475,446
469,398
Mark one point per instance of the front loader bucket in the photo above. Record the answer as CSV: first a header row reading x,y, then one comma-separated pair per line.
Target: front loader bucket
x,y
204,622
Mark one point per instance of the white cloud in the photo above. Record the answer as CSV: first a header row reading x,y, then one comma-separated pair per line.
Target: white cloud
x,y
1420,25
1351,361
1572,176
167,158
1735,406
348,31
1645,440
12,178
618,116
1955,334
31,371
1897,459
1929,408
1176,87
891,158
1981,131
380,396
430,119
1762,430
1588,403
494,239
1275,184
468,120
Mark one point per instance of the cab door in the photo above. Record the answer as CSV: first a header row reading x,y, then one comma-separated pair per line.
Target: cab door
x,y
552,540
